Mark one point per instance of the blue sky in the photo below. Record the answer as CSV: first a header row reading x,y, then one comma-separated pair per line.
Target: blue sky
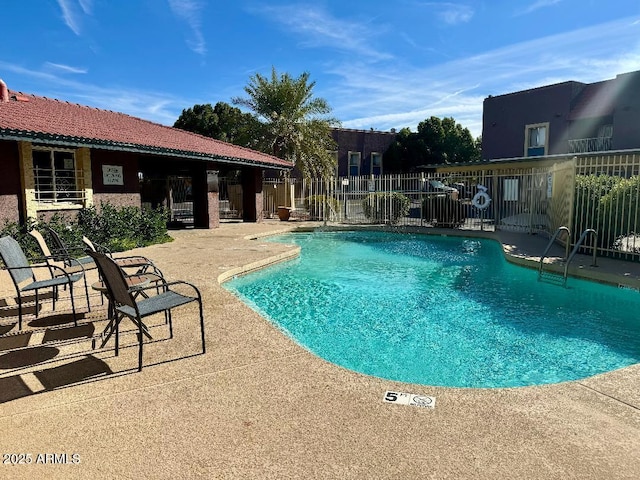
x,y
380,64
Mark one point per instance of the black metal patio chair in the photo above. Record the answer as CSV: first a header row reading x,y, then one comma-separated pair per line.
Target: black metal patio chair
x,y
69,255
142,264
126,304
58,263
24,278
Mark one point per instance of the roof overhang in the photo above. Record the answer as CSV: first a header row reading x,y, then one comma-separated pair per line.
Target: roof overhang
x,y
70,141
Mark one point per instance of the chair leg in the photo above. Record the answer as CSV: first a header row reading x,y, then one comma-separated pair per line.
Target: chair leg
x,y
202,325
20,310
86,291
117,327
140,342
73,305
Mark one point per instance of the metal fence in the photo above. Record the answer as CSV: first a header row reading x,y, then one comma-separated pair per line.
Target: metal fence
x,y
588,191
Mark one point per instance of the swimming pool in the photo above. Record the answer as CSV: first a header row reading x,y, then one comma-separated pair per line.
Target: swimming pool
x,y
443,311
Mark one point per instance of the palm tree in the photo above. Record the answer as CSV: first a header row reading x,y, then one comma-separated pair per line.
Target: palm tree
x,y
295,125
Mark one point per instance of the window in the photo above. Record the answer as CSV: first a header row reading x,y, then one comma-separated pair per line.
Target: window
x,y
354,164
536,140
334,154
376,163
55,176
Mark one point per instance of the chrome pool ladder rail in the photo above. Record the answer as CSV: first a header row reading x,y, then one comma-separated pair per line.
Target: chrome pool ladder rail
x,y
577,246
550,244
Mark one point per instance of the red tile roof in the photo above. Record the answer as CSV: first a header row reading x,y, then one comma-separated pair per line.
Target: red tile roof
x,y
40,119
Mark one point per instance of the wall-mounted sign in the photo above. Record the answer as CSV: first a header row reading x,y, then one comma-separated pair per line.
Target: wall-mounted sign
x,y
112,175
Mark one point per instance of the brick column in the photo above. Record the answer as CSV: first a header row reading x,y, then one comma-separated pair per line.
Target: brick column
x,y
252,195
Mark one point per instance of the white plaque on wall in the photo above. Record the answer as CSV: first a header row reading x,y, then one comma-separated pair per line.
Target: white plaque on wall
x,y
112,175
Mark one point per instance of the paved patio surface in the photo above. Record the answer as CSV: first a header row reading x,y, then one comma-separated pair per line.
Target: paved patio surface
x,y
257,405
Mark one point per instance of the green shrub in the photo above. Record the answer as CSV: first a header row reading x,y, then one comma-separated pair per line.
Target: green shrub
x,y
443,211
618,212
315,205
589,190
118,229
124,228
386,207
20,233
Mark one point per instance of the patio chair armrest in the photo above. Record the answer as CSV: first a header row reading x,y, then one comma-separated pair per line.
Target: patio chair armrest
x,y
124,257
57,271
47,266
165,285
142,268
102,249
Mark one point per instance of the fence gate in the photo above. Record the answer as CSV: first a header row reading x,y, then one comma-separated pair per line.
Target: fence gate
x,y
230,198
180,199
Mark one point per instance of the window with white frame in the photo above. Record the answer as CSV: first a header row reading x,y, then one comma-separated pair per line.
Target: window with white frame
x,y
354,164
55,176
376,163
536,139
334,155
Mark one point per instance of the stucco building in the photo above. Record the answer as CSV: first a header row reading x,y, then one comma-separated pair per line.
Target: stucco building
x,y
57,156
564,118
360,152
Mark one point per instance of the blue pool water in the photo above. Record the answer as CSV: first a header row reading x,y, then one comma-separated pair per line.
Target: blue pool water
x,y
442,311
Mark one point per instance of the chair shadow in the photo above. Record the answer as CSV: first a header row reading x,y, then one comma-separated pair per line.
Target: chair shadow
x,y
7,328
54,320
12,310
27,357
20,355
68,374
69,333
12,388
11,342
73,372
69,370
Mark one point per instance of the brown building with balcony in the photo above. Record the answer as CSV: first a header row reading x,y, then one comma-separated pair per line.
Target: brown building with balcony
x,y
360,152
564,118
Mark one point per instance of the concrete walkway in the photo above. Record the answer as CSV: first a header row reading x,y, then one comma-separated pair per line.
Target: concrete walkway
x,y
257,405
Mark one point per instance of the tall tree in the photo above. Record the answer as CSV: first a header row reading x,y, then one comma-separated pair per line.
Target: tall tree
x,y
222,122
295,125
437,141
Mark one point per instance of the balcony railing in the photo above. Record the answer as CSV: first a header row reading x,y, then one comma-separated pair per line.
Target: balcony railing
x,y
584,145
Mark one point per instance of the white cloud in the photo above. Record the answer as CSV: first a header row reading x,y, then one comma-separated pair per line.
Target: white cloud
x,y
320,29
64,68
69,15
160,107
457,88
86,6
538,4
453,14
190,11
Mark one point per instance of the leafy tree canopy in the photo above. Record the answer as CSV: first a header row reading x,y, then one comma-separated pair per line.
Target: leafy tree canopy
x,y
436,142
222,122
294,123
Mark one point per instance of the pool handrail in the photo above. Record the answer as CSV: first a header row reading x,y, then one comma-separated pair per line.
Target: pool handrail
x,y
551,242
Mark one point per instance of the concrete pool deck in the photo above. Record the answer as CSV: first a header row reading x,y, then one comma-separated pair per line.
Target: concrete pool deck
x,y
257,405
